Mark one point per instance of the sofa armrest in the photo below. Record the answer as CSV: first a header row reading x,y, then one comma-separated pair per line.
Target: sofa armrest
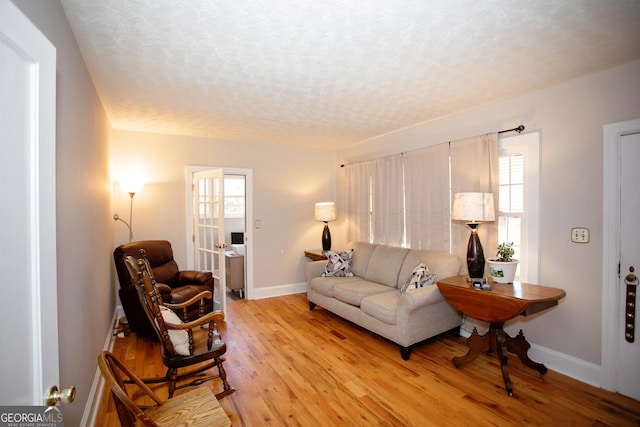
x,y
165,291
313,269
190,277
420,297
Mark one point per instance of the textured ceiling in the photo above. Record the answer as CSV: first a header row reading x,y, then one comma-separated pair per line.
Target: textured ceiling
x,y
334,72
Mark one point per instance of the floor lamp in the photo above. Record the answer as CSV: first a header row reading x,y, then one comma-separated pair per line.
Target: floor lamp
x,y
474,208
132,187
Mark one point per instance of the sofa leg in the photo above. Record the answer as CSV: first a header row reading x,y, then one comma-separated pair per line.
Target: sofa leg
x,y
455,332
312,305
405,352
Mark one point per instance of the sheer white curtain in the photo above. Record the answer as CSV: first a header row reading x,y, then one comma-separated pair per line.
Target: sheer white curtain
x,y
358,201
474,168
388,203
375,209
427,198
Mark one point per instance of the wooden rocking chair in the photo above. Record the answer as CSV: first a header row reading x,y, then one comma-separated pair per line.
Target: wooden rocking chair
x,y
184,345
198,407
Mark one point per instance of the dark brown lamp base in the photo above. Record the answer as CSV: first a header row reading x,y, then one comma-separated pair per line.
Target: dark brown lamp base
x,y
326,237
475,254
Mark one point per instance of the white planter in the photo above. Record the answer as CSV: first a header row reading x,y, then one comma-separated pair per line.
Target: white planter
x,y
503,272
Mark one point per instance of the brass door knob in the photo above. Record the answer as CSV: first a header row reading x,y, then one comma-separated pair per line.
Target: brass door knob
x,y
54,396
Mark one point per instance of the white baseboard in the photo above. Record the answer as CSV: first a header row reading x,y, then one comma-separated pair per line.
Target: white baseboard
x,y
95,395
278,291
565,364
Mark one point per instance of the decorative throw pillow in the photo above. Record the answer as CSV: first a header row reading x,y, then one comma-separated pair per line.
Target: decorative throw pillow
x,y
420,277
338,264
179,337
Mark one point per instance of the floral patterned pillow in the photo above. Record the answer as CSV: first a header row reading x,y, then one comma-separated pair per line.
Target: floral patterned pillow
x,y
338,264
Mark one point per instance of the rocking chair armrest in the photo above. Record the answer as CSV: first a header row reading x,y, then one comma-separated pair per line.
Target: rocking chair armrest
x,y
190,301
214,316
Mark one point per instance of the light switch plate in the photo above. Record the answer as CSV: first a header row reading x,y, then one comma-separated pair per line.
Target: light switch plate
x,y
580,235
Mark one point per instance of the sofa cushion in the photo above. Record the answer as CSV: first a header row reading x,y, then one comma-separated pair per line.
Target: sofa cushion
x,y
338,264
443,264
382,306
325,285
352,293
361,253
384,265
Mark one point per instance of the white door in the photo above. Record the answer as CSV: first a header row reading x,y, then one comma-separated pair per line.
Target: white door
x,y
620,369
247,219
28,319
629,374
209,237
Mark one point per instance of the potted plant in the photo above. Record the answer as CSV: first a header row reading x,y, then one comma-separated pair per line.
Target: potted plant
x,y
503,267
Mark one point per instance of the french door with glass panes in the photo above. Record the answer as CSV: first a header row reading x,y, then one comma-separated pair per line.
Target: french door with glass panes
x,y
209,234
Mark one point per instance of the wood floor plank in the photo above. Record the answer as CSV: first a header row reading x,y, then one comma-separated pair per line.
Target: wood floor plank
x,y
296,367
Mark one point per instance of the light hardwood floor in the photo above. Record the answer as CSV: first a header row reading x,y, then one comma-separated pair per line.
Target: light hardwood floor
x,y
295,367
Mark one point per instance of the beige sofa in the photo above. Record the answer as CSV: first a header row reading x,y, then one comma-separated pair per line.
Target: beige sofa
x,y
372,298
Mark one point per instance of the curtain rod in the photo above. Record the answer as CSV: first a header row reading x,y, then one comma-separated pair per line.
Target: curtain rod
x,y
518,129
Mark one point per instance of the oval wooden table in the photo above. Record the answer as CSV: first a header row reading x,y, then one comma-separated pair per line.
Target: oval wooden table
x,y
503,302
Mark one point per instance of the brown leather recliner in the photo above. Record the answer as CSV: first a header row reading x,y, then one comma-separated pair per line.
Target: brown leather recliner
x,y
174,285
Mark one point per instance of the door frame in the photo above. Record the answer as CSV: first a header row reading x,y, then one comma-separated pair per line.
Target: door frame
x,y
611,314
248,234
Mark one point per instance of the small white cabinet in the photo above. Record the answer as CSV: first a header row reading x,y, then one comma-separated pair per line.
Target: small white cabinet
x,y
234,269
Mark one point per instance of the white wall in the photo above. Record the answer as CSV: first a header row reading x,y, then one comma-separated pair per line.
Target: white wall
x,y
287,181
570,117
83,197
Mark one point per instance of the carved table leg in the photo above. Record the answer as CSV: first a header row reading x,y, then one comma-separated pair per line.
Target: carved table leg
x,y
519,346
477,344
496,339
501,349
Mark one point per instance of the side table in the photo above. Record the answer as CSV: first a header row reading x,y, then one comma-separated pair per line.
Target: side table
x,y
315,254
503,302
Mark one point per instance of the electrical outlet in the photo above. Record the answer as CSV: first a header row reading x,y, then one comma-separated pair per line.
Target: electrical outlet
x,y
580,235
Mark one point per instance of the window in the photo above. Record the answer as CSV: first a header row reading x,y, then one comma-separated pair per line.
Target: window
x,y
233,196
511,200
518,200
234,191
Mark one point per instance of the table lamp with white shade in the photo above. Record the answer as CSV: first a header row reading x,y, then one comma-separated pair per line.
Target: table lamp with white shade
x,y
474,208
325,212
